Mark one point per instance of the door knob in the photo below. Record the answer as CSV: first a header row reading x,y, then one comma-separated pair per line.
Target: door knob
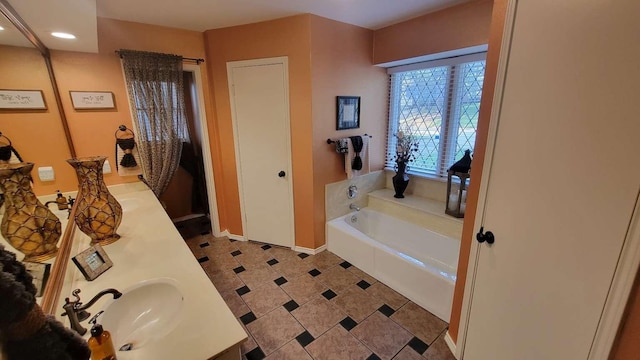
x,y
482,236
281,173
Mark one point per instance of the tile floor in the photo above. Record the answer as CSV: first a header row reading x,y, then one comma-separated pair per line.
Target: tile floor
x,y
297,306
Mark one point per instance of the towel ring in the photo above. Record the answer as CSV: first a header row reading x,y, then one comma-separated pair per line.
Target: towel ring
x,y
5,136
124,129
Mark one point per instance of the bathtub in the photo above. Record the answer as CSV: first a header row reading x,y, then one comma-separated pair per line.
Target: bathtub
x,y
416,262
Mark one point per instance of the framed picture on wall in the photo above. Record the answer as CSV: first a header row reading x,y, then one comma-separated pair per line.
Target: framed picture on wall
x,y
22,100
92,100
347,112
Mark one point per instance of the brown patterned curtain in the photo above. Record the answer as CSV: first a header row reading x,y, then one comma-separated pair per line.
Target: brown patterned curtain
x,y
154,82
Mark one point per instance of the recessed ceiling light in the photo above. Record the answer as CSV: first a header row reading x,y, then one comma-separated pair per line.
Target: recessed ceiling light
x,y
1,28
63,35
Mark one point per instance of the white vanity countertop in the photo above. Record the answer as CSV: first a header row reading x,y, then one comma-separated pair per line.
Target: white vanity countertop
x,y
150,247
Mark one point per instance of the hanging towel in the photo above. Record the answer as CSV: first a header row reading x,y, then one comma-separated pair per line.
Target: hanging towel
x,y
362,155
356,141
128,170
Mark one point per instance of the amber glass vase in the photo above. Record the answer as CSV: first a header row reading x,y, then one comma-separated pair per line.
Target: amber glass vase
x,y
98,213
27,225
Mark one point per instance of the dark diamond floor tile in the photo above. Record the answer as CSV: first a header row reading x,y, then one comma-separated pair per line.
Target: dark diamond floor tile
x,y
203,259
386,310
305,338
232,240
265,247
314,272
239,269
348,323
291,305
418,345
236,253
204,245
345,264
303,255
243,290
279,281
363,284
373,357
329,294
255,354
247,318
272,262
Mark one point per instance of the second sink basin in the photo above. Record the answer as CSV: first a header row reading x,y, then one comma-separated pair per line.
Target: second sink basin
x,y
145,312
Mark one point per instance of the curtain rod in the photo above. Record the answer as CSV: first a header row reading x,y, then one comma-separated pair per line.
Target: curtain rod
x,y
196,60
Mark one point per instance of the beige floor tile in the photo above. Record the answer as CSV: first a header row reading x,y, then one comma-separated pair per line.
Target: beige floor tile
x,y
356,303
291,351
303,288
439,351
388,295
260,277
282,254
324,260
264,299
248,345
274,330
220,263
292,268
382,335
420,322
318,315
250,247
337,344
408,354
225,281
235,303
220,245
362,275
337,278
252,261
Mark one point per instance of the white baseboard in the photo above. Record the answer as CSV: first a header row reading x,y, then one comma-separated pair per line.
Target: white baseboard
x,y
232,236
309,250
450,344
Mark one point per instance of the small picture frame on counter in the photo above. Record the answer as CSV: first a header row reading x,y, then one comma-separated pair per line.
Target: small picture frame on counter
x,y
92,262
40,274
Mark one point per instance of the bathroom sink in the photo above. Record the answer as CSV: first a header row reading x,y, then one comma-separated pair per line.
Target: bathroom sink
x,y
144,313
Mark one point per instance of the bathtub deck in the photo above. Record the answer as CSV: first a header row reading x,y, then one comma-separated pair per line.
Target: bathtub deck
x,y
315,307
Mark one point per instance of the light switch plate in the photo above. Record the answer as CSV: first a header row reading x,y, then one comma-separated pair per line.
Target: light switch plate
x,y
46,173
106,168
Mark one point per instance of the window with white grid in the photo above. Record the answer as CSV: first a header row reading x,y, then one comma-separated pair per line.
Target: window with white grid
x,y
438,102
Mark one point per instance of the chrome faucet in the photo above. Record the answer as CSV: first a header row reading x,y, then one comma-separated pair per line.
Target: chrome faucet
x,y
77,312
354,207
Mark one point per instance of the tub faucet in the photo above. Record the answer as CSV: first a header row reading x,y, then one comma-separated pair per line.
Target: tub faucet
x,y
77,312
354,207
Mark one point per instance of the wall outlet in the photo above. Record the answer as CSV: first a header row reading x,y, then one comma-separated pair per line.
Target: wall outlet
x,y
46,173
106,168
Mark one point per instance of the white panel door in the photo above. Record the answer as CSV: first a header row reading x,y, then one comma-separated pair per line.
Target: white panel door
x,y
563,180
261,117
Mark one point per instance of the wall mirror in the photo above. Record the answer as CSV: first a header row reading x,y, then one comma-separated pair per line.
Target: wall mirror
x,y
38,135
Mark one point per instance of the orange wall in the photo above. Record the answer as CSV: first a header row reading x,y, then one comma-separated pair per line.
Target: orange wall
x,y
92,131
493,54
342,67
38,135
282,37
452,28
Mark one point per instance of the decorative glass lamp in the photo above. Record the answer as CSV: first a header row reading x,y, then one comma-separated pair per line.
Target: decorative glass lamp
x,y
457,194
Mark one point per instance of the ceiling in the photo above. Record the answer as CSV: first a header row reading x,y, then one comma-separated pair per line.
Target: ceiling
x,y
79,16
